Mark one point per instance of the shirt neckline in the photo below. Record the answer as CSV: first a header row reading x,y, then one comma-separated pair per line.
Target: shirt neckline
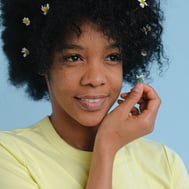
x,y
60,144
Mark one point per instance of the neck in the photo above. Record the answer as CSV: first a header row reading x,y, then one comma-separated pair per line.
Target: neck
x,y
75,134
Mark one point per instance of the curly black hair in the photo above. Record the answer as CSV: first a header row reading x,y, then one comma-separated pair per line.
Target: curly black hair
x,y
135,28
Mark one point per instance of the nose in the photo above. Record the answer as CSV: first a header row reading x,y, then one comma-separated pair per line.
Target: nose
x,y
94,75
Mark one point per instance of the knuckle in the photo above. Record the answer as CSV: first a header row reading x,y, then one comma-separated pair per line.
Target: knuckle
x,y
158,102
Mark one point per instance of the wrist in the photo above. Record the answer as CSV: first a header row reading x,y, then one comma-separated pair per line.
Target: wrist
x,y
105,147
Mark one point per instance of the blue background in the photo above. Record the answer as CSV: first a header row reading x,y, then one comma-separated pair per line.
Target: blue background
x,y
172,127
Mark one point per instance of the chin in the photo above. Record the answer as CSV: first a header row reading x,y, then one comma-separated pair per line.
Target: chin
x,y
91,121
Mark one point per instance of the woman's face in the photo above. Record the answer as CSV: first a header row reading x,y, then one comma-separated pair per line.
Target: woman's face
x,y
85,78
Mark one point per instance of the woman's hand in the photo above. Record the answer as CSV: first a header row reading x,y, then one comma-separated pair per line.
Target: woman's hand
x,y
125,123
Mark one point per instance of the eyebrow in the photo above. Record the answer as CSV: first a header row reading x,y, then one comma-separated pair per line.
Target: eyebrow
x,y
74,46
113,45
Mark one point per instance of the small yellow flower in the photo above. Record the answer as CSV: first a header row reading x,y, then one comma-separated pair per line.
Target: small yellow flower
x,y
25,52
26,21
45,8
143,3
146,29
143,52
140,78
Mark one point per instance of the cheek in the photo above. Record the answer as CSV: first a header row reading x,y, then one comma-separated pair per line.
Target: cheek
x,y
117,87
62,87
60,79
117,78
58,88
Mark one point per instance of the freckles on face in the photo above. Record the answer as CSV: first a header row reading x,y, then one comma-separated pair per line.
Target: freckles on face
x,y
86,77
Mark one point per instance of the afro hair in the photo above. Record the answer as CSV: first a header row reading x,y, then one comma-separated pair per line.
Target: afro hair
x,y
137,29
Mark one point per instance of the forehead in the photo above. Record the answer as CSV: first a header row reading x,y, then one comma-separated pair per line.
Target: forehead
x,y
87,31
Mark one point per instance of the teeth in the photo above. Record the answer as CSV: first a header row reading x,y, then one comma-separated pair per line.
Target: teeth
x,y
90,100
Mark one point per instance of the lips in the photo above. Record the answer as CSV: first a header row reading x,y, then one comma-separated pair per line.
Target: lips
x,y
91,103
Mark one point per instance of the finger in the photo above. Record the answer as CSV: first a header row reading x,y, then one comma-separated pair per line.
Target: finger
x,y
124,95
152,97
150,102
132,98
134,111
143,104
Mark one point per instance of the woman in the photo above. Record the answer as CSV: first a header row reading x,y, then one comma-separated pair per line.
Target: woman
x,y
77,54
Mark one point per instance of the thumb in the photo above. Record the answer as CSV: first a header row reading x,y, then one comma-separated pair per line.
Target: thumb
x,y
132,98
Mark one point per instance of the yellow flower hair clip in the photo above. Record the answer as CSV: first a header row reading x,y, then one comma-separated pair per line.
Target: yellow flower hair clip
x,y
142,3
26,21
45,8
25,52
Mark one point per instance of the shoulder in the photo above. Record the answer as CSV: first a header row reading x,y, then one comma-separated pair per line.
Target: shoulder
x,y
150,146
155,162
152,149
153,155
16,139
27,130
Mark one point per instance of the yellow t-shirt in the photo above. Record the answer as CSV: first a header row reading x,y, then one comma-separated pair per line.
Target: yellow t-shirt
x,y
37,158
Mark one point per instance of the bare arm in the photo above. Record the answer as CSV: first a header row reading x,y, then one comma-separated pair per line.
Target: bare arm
x,y
118,129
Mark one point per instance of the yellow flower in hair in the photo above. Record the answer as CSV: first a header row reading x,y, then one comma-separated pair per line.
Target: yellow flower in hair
x,y
140,78
25,52
26,21
146,29
143,3
143,52
45,8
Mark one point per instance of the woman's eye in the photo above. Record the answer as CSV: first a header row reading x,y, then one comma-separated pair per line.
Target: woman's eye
x,y
114,58
72,58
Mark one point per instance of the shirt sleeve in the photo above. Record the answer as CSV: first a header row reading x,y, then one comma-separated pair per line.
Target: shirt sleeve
x,y
180,177
13,172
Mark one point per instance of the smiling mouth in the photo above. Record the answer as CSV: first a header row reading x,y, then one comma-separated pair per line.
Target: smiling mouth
x,y
91,103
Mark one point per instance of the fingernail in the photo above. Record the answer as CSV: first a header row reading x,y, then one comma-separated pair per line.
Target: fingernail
x,y
138,87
